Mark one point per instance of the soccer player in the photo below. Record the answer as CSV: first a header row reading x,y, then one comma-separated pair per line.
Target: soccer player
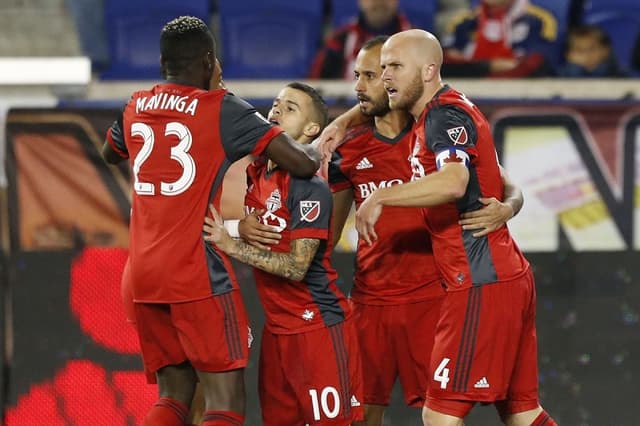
x,y
309,361
397,288
180,138
485,343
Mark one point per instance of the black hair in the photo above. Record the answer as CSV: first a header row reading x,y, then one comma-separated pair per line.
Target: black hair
x,y
320,108
373,42
184,40
591,30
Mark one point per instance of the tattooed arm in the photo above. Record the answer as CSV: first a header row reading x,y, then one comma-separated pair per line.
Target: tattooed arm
x,y
292,265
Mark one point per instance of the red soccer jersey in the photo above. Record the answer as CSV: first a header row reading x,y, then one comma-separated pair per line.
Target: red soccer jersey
x,y
299,208
180,141
399,266
452,129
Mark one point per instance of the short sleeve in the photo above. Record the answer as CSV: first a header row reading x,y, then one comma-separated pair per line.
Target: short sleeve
x,y
115,137
310,204
244,130
451,134
337,179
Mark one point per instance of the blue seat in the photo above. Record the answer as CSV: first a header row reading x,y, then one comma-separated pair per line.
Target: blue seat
x,y
342,11
269,39
421,13
133,34
621,24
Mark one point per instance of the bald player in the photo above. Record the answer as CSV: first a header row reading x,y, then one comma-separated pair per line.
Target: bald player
x,y
485,344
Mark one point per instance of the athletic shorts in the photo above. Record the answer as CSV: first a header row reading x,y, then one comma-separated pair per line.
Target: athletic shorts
x,y
485,349
212,333
396,341
313,377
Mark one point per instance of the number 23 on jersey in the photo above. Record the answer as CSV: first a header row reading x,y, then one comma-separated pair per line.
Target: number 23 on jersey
x,y
179,153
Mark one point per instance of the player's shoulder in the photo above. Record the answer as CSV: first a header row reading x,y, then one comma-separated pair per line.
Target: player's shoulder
x,y
358,135
314,185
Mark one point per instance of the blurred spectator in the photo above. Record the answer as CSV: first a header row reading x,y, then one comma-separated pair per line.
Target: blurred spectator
x,y
337,57
589,54
447,10
501,38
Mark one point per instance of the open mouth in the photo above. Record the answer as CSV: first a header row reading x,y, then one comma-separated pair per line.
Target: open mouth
x,y
273,121
391,92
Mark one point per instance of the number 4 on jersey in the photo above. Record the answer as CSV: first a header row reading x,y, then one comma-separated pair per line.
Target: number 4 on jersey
x,y
442,373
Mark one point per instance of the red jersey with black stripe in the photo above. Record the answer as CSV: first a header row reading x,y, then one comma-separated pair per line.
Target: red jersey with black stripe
x,y
180,140
399,266
453,129
299,208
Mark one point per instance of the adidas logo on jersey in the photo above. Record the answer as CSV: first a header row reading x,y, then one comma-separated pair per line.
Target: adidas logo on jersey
x,y
364,164
482,383
354,401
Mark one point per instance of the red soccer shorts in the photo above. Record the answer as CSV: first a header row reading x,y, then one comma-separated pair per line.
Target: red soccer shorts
x,y
311,378
485,349
396,340
212,333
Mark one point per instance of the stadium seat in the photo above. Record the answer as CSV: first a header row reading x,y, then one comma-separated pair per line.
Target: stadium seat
x,y
421,13
269,39
620,22
133,33
560,10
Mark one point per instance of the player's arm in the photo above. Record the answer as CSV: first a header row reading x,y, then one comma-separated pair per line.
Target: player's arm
x,y
342,195
297,159
292,265
342,202
254,232
453,153
333,135
494,213
114,149
444,186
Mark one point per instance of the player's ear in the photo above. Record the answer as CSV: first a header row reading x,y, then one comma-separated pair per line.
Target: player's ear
x,y
428,72
311,130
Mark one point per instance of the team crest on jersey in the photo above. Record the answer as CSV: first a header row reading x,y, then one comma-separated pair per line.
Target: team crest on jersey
x,y
274,202
309,210
458,135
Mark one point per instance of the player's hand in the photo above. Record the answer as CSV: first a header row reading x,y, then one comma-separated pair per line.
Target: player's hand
x,y
330,139
492,216
256,233
366,217
215,232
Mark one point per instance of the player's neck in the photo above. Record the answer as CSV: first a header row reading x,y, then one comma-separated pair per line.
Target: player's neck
x,y
430,91
392,123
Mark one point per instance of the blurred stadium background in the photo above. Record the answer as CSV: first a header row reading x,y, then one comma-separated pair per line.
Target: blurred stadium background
x,y
67,66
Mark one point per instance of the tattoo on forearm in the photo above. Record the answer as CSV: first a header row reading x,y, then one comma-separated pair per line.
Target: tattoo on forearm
x,y
292,265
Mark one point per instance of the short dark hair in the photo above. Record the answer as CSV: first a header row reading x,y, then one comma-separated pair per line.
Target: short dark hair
x,y
591,30
320,109
376,41
184,40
